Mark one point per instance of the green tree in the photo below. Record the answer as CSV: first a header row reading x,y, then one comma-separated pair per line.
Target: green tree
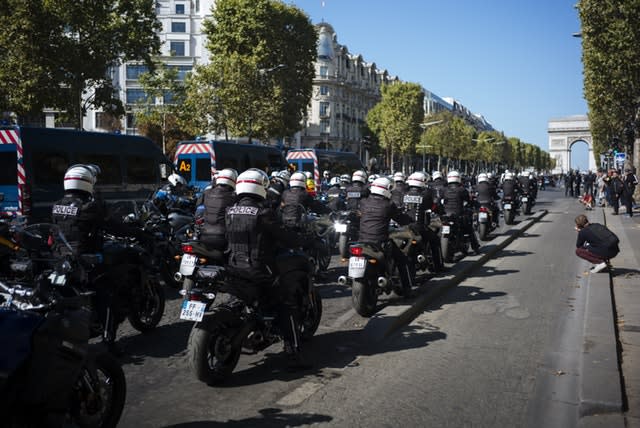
x,y
159,115
396,119
611,58
260,77
449,139
59,53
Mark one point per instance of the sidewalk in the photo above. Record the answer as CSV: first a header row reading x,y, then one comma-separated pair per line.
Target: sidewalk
x,y
626,296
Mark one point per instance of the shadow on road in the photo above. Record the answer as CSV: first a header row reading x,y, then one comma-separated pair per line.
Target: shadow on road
x,y
164,341
270,418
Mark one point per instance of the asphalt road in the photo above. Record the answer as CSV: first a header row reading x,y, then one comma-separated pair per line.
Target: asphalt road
x,y
496,350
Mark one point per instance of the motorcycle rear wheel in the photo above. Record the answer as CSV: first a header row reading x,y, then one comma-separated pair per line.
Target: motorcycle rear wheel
x,y
483,231
364,297
509,216
212,355
101,403
343,246
147,312
447,250
311,317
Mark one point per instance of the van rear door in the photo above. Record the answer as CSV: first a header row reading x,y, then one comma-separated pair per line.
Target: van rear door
x,y
8,178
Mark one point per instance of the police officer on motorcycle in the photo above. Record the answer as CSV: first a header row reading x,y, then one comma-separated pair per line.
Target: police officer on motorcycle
x,y
457,202
278,184
296,199
510,187
335,195
488,195
399,188
216,201
82,220
357,190
376,211
253,231
417,201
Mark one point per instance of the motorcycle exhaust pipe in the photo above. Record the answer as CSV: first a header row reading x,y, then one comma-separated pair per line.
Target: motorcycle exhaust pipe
x,y
177,277
342,280
421,258
382,281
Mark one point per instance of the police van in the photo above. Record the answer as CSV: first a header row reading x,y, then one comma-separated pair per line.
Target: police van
x,y
197,161
316,161
33,162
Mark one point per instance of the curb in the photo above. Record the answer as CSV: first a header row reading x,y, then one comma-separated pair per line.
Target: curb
x,y
600,383
461,272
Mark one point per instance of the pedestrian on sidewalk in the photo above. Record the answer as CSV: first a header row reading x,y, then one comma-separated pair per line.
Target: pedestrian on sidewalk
x,y
596,243
630,182
616,186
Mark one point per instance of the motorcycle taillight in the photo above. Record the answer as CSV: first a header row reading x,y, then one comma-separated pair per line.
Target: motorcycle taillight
x,y
355,251
188,249
484,210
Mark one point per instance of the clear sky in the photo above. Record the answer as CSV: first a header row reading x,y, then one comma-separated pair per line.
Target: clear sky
x,y
513,61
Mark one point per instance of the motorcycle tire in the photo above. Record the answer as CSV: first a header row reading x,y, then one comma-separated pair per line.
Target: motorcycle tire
x,y
483,231
323,257
509,216
527,208
364,297
447,250
101,403
311,317
343,246
147,312
212,355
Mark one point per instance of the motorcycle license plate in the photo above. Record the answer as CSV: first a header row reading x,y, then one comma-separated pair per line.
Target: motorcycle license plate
x,y
507,206
340,227
525,199
446,229
188,264
482,216
192,311
357,266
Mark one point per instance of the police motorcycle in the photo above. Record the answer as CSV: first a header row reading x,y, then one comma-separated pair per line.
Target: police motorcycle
x,y
347,226
527,200
452,237
221,331
486,223
510,206
373,269
50,375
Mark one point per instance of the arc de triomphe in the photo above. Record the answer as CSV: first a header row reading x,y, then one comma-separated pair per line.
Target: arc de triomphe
x,y
563,133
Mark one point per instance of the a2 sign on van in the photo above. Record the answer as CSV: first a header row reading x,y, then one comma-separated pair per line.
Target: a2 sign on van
x,y
185,165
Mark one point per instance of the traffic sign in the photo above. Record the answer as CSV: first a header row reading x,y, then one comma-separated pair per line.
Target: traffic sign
x,y
620,157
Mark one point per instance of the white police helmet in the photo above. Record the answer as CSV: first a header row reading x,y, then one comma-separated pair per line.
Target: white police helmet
x,y
381,186
399,176
253,182
298,179
175,179
437,175
335,181
417,179
345,178
508,176
81,177
482,177
454,177
227,176
359,176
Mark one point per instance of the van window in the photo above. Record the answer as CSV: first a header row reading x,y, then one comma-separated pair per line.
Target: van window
x,y
49,168
203,169
110,169
8,168
141,170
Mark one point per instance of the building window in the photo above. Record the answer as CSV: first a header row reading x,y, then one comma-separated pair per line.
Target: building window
x,y
135,70
197,5
324,109
324,90
178,27
135,95
324,126
324,71
176,48
183,70
179,9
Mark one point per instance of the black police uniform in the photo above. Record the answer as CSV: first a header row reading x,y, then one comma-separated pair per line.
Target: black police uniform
x,y
510,189
253,232
416,202
274,193
375,213
399,190
294,201
455,195
336,198
355,193
216,201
